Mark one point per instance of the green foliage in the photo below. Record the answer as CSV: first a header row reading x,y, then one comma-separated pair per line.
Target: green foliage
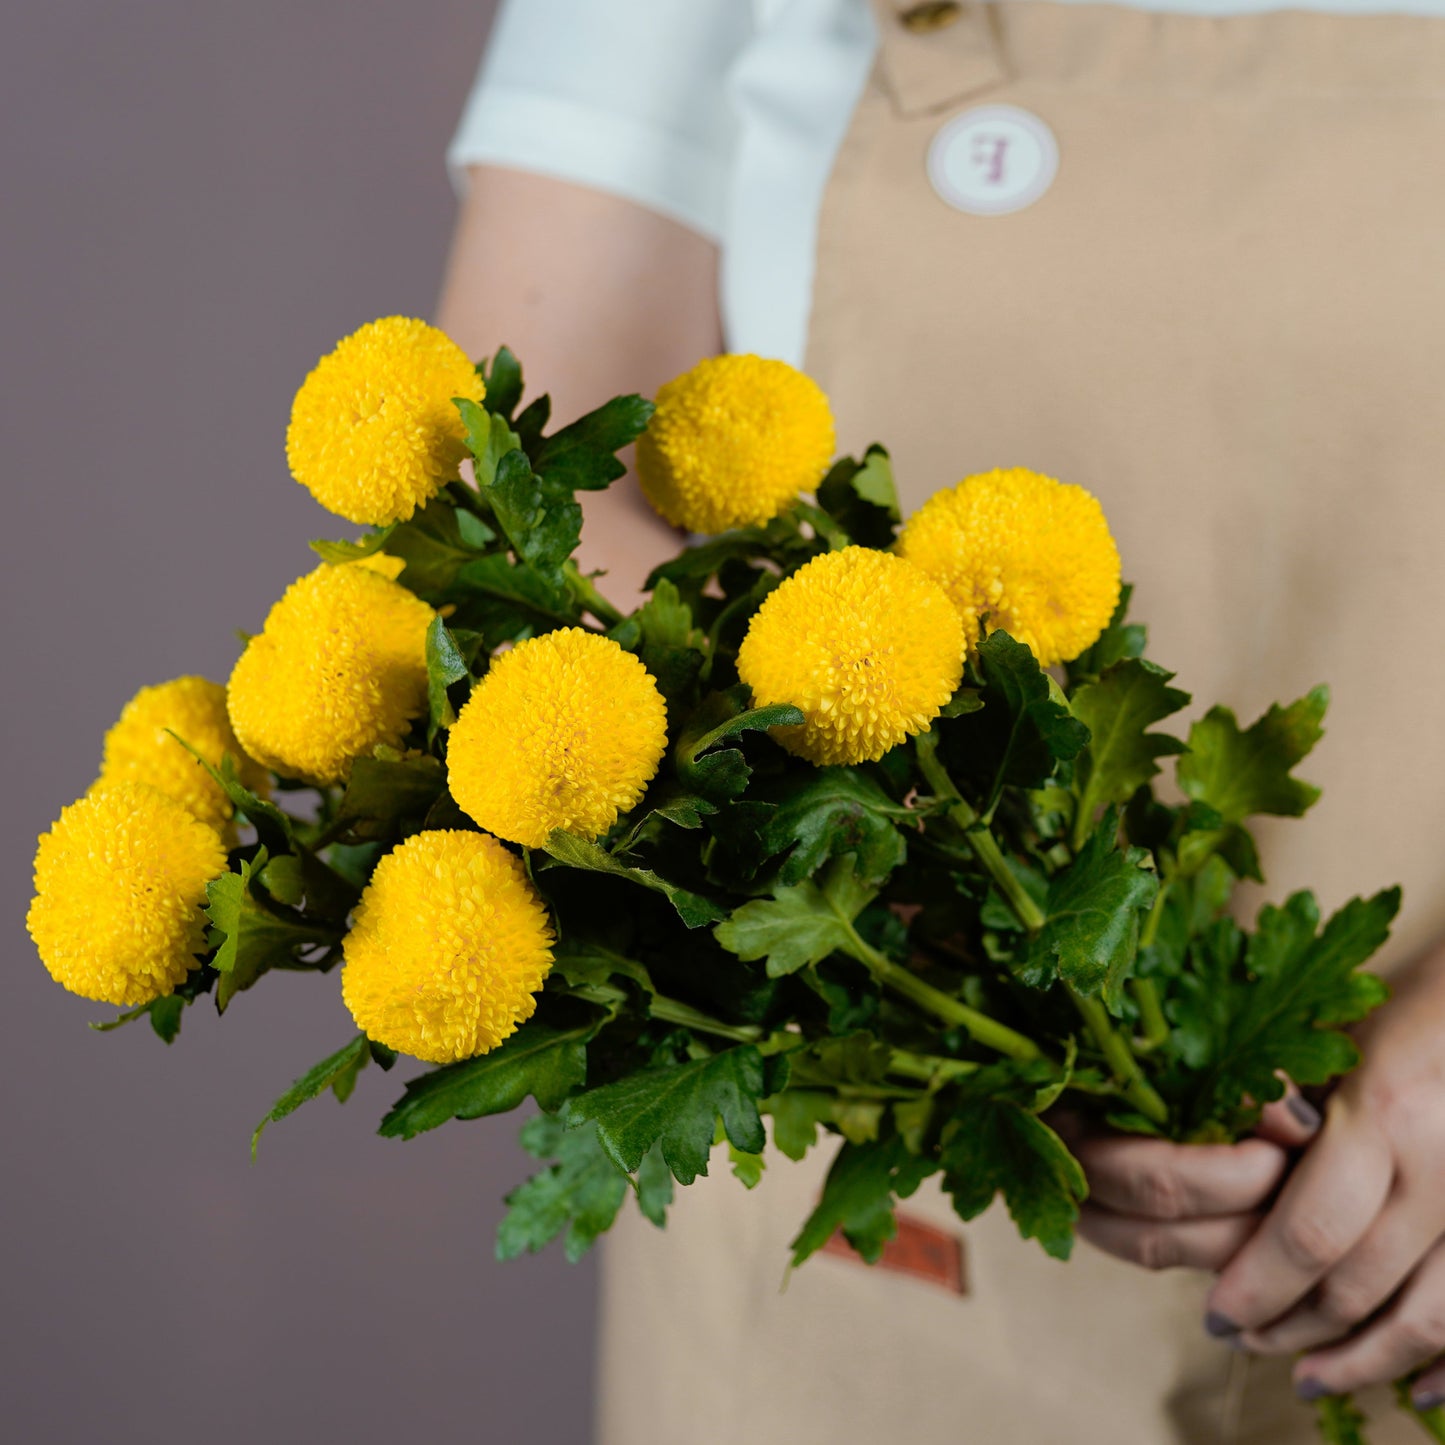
x,y
1340,1422
800,925
542,1061
574,852
862,498
164,1014
858,1197
580,1193
337,1072
677,1108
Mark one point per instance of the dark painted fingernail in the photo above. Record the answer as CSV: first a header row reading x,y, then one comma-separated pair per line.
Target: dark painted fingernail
x,y
1305,1113
1428,1399
1310,1389
1220,1326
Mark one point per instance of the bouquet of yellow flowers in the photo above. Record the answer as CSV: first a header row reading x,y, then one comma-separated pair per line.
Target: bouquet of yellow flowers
x,y
852,826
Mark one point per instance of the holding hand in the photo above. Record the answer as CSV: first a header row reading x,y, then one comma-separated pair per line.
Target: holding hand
x,y
1348,1262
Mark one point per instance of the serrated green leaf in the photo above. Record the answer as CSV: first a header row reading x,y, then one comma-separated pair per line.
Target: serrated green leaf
x,y
580,1193
747,1168
338,553
337,1072
1022,732
993,1146
435,544
445,665
582,455
862,498
1298,988
488,438
249,937
828,813
540,1059
678,1107
724,773
858,1198
504,599
539,517
668,644
503,380
582,962
574,852
1243,772
654,1186
800,925
383,793
1093,913
796,1114
1118,710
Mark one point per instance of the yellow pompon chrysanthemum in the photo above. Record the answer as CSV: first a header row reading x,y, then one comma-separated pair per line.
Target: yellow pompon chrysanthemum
x,y
1032,555
733,442
565,731
449,946
339,667
374,434
864,643
120,882
140,748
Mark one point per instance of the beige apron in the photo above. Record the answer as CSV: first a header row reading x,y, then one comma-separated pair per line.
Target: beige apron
x,y
1226,317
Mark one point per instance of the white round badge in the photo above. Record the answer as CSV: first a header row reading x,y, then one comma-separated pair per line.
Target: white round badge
x,y
992,160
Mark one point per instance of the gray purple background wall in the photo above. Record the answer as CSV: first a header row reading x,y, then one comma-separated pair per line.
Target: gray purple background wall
x,y
198,199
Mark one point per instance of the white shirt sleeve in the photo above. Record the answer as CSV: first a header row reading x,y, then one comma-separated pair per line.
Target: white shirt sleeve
x,y
626,96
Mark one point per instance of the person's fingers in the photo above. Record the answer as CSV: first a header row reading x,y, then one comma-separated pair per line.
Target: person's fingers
x,y
1154,1179
1191,1244
1337,1190
1362,1281
1409,1334
1428,1392
1290,1122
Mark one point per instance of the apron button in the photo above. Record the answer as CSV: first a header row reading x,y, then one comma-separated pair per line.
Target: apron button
x,y
931,15
992,160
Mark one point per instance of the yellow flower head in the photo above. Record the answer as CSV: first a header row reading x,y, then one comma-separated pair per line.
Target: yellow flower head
x,y
448,947
373,433
733,442
339,667
864,643
1031,555
565,731
140,748
120,881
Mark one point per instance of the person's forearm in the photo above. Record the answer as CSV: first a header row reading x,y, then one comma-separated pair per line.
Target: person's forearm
x,y
597,297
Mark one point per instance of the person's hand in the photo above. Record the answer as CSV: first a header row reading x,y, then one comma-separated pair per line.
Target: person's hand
x,y
1348,1265
1166,1206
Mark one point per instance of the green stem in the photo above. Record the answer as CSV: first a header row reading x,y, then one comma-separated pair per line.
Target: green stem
x,y
1115,1048
985,846
927,1068
1432,1422
1150,930
590,597
674,1012
954,1012
1151,1015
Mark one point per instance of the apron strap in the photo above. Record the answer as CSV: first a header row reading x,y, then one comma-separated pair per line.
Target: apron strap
x,y
935,54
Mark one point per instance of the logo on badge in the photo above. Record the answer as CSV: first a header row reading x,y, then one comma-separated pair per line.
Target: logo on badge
x,y
992,160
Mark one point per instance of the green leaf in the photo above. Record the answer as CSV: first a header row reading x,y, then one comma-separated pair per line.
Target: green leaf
x,y
382,793
800,925
654,1186
164,1013
540,518
720,716
580,1193
273,827
858,1198
827,813
435,543
503,384
746,1167
504,598
581,456
337,1073
994,1146
1119,640
1118,711
1242,772
1340,1422
489,439
340,552
1093,914
796,1114
668,643
249,936
678,1107
445,665
1024,729
575,852
1298,987
582,963
862,498
540,1059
